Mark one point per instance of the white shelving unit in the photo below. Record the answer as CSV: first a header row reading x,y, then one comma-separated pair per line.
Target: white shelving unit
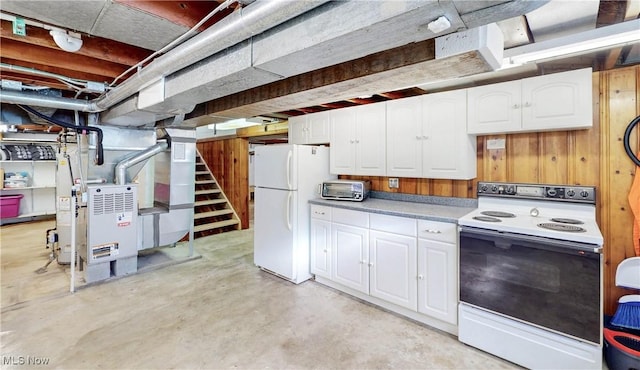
x,y
39,194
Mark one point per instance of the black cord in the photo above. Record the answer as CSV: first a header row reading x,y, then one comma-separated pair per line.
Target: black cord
x,y
99,151
627,145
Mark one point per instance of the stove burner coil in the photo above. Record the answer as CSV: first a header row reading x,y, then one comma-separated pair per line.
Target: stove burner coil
x,y
567,221
487,219
561,227
498,214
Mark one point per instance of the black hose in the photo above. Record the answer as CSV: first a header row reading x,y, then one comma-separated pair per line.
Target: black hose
x,y
99,151
627,145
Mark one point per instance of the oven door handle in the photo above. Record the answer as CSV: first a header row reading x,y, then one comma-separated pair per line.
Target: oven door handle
x,y
554,244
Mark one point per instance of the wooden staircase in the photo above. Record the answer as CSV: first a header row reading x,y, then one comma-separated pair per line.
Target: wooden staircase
x,y
213,214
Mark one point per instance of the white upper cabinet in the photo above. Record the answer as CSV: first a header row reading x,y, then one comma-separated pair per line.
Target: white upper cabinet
x,y
560,101
309,128
404,138
427,137
448,151
557,101
494,108
358,140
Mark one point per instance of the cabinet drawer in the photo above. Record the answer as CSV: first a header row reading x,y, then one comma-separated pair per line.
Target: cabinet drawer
x,y
320,212
434,230
393,224
349,217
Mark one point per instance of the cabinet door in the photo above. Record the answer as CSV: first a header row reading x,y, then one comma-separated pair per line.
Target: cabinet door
x,y
393,268
320,248
297,130
448,151
404,137
437,280
318,127
370,139
342,152
557,101
350,256
493,109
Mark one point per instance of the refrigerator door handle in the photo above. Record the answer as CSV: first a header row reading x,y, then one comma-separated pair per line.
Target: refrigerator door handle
x,y
289,211
289,157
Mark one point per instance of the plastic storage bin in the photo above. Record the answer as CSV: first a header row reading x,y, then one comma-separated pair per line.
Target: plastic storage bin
x,y
10,205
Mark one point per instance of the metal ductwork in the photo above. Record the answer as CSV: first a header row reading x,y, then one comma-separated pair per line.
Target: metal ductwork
x,y
132,160
270,40
238,26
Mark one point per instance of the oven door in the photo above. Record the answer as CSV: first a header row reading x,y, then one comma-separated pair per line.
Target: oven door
x,y
551,283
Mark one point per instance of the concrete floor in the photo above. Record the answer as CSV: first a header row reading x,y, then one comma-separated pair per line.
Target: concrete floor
x,y
218,311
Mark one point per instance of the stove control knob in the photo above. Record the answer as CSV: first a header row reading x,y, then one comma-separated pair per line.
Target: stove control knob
x,y
584,193
511,190
484,188
571,193
494,188
551,192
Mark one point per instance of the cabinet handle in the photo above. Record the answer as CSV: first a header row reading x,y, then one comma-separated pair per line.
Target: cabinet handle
x,y
370,264
357,141
430,231
363,262
325,251
425,137
319,213
352,141
418,137
516,106
420,277
527,104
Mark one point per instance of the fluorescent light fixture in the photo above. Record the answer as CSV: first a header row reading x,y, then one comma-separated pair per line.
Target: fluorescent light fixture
x,y
232,124
616,35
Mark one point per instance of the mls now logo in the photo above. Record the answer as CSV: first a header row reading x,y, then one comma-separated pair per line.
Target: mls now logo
x,y
24,360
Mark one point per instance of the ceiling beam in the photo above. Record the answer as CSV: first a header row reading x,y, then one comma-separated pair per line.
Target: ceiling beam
x,y
94,47
72,62
349,71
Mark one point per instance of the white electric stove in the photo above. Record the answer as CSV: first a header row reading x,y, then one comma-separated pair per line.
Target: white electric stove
x,y
531,275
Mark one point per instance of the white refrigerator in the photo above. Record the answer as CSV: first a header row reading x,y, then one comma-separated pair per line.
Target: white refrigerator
x,y
286,177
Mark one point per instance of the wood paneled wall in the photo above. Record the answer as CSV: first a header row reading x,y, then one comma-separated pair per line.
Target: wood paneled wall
x,y
593,157
228,159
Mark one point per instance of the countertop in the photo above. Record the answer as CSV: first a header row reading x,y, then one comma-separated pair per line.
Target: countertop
x,y
444,209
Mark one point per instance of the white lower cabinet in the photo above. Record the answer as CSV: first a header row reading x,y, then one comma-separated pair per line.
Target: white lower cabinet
x,y
393,268
351,256
438,270
406,265
320,242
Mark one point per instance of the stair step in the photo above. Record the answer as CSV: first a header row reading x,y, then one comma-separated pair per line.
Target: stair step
x,y
202,182
214,225
208,191
209,202
220,212
202,172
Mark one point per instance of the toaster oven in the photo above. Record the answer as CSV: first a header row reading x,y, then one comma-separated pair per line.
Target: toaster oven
x,y
353,190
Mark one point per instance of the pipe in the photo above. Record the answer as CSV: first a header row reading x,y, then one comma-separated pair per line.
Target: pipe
x,y
73,215
121,167
34,99
99,151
